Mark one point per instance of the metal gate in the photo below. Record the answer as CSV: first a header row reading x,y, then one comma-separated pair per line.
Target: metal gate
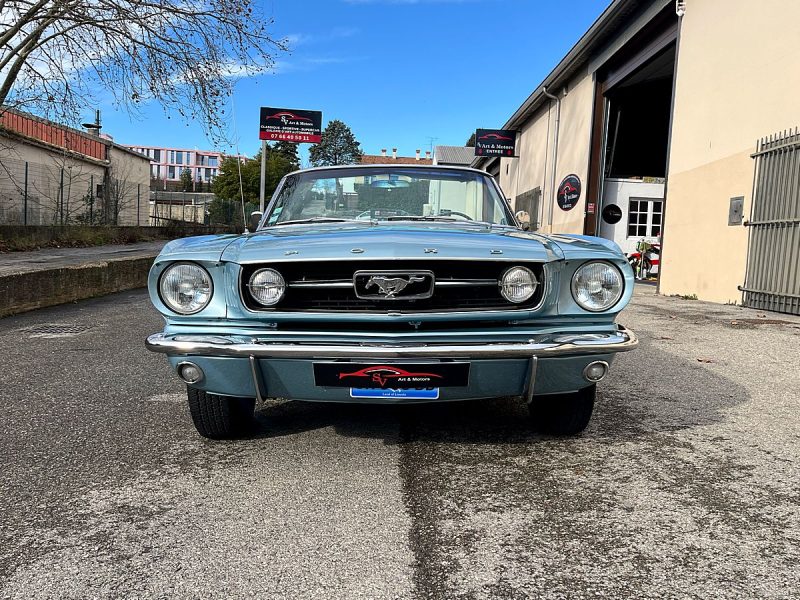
x,y
772,279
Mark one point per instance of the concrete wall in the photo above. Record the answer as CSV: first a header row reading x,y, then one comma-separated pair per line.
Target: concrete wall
x,y
534,167
44,200
738,79
82,177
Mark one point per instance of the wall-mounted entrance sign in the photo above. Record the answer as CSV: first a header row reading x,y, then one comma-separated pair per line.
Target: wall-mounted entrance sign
x,y
569,192
495,142
290,125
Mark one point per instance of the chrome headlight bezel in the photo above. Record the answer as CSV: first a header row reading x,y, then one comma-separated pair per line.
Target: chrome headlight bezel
x,y
613,270
204,275
533,282
279,283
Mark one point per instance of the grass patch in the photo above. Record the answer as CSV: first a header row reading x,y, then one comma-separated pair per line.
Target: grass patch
x,y
684,296
23,239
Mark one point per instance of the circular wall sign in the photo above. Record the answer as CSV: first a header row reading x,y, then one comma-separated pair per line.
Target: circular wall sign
x,y
569,192
612,214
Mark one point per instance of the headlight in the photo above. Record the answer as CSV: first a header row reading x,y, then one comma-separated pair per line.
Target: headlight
x,y
597,286
267,286
518,284
185,288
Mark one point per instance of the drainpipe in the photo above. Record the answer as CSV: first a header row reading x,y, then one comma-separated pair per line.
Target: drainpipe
x,y
553,159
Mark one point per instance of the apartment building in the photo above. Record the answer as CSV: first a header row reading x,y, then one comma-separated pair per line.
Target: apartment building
x,y
167,164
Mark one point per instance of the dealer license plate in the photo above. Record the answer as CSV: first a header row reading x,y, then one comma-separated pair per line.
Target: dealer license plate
x,y
375,393
392,376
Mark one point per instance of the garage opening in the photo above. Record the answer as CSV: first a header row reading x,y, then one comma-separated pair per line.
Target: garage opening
x,y
634,160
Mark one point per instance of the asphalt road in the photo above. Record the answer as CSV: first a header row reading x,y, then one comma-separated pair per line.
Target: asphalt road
x,y
685,485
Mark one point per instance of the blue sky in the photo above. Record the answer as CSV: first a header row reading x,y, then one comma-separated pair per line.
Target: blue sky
x,y
398,72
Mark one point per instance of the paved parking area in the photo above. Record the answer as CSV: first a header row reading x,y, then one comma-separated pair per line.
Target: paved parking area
x,y
685,485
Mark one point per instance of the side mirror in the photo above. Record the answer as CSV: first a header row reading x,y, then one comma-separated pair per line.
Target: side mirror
x,y
524,220
255,219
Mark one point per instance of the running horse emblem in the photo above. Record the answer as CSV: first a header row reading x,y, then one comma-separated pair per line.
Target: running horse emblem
x,y
389,287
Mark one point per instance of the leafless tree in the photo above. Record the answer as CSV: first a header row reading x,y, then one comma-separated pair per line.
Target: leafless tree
x,y
62,192
56,55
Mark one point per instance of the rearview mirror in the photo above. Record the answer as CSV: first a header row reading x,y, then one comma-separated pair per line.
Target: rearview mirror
x,y
524,220
255,219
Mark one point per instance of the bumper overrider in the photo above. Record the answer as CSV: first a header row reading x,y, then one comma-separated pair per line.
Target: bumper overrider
x,y
242,365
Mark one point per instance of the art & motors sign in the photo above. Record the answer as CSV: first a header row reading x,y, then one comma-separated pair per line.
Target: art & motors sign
x,y
290,125
495,142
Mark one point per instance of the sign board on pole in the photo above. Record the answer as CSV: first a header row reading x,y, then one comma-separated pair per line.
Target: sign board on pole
x,y
495,142
290,125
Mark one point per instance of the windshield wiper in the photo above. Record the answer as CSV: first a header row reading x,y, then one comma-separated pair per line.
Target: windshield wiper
x,y
419,218
314,220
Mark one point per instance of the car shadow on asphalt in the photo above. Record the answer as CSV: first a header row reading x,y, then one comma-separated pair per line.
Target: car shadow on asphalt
x,y
649,391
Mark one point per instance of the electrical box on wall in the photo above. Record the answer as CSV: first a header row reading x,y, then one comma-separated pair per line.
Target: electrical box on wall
x,y
736,211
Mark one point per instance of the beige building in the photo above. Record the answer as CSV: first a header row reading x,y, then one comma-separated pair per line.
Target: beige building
x,y
656,113
51,174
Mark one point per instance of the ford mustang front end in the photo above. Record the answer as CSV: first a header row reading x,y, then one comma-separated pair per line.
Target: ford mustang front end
x,y
390,284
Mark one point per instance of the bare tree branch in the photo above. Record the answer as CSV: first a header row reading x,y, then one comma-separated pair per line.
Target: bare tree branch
x,y
56,56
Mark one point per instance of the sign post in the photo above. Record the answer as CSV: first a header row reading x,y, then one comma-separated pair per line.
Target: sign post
x,y
286,125
263,175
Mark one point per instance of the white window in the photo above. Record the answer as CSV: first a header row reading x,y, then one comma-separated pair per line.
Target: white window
x,y
644,217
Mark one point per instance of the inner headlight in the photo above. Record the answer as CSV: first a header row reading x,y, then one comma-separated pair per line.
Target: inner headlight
x,y
518,284
267,286
597,286
185,288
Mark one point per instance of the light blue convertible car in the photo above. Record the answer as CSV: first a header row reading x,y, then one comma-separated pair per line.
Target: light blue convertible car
x,y
392,284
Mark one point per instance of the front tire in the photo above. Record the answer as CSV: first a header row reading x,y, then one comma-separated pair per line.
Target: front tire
x,y
220,417
563,414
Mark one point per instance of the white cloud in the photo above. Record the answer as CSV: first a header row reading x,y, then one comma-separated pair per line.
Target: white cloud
x,y
304,39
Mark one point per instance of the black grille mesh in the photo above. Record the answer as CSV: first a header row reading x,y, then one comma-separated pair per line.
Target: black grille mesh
x,y
444,299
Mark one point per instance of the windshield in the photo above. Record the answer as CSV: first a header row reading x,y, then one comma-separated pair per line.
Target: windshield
x,y
390,194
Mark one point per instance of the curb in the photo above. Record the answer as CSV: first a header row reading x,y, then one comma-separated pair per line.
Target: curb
x,y
29,290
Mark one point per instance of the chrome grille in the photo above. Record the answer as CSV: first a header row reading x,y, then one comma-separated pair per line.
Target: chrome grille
x,y
329,286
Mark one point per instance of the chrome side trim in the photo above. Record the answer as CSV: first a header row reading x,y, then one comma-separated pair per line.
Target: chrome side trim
x,y
621,340
322,283
466,282
345,283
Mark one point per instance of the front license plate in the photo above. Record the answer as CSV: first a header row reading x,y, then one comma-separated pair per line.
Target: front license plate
x,y
397,376
423,394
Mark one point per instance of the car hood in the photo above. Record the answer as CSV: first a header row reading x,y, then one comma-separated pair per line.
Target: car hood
x,y
337,241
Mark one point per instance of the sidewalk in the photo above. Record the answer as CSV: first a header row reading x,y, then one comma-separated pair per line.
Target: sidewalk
x,y
31,280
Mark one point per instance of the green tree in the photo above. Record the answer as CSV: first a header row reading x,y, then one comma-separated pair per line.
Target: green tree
x,y
226,183
338,146
471,141
288,150
226,208
186,180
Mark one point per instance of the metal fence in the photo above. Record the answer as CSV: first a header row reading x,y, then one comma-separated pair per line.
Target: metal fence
x,y
166,207
65,192
772,280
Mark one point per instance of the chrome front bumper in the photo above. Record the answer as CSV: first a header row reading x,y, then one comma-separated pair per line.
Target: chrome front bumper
x,y
549,345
